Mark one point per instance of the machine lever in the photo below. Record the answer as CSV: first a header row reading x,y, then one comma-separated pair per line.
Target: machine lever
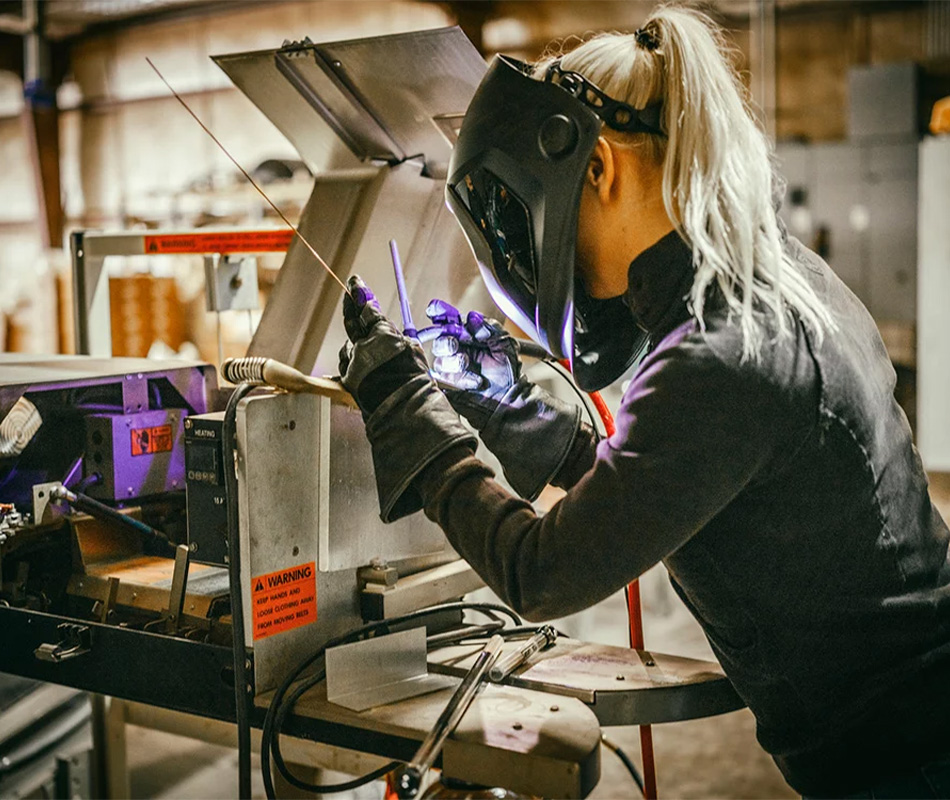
x,y
411,779
76,640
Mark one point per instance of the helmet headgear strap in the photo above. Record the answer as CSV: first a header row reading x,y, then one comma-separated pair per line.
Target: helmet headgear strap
x,y
616,114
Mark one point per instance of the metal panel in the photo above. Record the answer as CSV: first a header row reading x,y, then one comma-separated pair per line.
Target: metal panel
x,y
374,672
933,296
355,536
838,201
411,83
385,97
137,454
318,83
892,255
122,662
882,101
307,494
257,75
23,373
283,482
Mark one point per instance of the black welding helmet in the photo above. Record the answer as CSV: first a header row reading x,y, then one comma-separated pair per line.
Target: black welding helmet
x,y
514,184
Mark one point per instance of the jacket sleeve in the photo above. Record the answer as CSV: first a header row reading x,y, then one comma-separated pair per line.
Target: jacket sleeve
x,y
579,459
693,430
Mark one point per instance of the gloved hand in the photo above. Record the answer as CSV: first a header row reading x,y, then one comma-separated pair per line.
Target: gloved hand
x,y
529,430
409,422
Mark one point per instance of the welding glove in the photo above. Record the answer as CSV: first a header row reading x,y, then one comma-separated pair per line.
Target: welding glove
x,y
529,430
409,422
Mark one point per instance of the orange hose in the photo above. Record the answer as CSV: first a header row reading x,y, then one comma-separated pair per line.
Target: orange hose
x,y
635,618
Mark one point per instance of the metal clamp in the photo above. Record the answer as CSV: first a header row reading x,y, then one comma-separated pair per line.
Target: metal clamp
x,y
76,640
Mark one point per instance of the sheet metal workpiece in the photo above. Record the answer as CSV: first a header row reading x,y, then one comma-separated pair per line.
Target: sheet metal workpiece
x,y
620,685
533,742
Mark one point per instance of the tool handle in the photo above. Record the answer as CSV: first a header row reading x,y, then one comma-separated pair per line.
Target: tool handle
x,y
509,662
411,779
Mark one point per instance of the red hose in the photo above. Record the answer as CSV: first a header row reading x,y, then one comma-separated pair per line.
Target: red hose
x,y
635,619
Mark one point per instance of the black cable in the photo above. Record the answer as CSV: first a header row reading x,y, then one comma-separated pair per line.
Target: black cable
x,y
242,698
585,402
626,761
273,721
461,634
279,707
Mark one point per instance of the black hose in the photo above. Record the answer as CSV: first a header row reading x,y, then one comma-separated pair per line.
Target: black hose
x,y
101,511
626,761
279,708
242,688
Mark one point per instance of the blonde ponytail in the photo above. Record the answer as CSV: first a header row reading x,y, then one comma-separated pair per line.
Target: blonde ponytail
x,y
717,164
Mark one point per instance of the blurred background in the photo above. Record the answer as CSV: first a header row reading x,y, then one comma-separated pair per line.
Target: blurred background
x,y
91,139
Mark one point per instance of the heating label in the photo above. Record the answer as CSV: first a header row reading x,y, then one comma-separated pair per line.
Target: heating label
x,y
283,600
146,441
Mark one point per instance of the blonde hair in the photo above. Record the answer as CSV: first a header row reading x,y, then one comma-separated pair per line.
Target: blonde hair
x,y
717,164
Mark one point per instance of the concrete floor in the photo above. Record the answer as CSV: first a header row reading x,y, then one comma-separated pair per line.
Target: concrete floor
x,y
716,757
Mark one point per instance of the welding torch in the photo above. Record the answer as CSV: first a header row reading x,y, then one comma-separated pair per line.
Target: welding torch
x,y
410,781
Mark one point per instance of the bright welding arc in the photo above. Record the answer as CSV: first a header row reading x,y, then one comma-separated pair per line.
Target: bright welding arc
x,y
253,183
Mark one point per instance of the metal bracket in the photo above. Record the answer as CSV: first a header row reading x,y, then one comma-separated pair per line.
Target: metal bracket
x,y
231,283
46,506
378,671
76,640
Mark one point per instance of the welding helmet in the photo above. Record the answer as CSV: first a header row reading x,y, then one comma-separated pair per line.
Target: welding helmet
x,y
514,184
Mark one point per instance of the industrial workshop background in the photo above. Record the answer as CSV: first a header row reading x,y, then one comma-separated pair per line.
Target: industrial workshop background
x,y
91,139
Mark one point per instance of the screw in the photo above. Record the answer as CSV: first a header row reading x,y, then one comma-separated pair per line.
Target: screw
x,y
188,423
237,282
193,547
649,663
292,424
517,726
555,708
621,678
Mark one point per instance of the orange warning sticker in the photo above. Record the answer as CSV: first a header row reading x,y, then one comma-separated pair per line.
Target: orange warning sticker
x,y
146,441
284,600
211,242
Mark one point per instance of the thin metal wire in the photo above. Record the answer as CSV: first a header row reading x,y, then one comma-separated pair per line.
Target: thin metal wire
x,y
253,183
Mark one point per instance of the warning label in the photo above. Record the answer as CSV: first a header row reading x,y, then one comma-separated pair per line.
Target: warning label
x,y
236,242
146,441
284,600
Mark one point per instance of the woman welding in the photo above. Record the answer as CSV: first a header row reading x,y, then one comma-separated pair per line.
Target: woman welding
x,y
619,199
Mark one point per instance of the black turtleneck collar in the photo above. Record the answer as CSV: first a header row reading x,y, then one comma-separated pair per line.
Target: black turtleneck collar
x,y
658,281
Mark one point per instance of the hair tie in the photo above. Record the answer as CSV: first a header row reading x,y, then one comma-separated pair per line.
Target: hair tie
x,y
646,39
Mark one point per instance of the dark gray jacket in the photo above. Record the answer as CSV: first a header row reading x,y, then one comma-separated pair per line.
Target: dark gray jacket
x,y
790,507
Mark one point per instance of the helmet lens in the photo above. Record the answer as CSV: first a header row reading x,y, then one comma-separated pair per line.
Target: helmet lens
x,y
503,221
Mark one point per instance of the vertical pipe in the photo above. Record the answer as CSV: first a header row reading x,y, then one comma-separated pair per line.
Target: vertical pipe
x,y
762,38
635,625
